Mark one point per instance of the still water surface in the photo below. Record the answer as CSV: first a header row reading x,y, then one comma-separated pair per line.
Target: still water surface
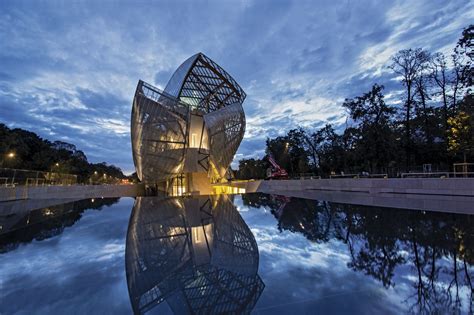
x,y
252,253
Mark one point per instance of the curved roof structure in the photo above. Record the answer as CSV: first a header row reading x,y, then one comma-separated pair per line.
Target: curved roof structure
x,y
203,84
164,133
197,254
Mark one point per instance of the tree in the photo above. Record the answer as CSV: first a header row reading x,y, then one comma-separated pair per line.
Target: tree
x,y
309,141
408,64
279,149
330,150
461,130
252,169
297,151
376,137
423,96
465,53
456,80
440,75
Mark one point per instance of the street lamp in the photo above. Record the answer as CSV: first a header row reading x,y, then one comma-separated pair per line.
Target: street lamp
x,y
5,158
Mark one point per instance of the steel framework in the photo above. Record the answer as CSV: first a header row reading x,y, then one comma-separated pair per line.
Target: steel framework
x,y
195,125
196,254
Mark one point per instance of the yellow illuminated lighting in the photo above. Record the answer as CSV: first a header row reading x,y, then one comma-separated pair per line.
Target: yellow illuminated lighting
x,y
181,190
196,235
224,189
194,140
11,155
178,203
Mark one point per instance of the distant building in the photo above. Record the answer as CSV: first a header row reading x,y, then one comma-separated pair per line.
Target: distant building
x,y
185,137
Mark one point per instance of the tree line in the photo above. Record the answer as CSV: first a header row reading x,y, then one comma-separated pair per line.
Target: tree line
x,y
22,149
432,122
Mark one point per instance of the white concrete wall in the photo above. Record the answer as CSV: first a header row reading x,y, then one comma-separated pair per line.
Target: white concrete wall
x,y
74,191
429,186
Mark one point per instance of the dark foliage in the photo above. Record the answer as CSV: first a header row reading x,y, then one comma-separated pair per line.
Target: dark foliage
x,y
34,153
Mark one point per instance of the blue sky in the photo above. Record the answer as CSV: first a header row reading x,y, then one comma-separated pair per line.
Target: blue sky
x,y
68,70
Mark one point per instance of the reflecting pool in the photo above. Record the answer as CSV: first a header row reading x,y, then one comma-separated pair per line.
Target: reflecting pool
x,y
254,253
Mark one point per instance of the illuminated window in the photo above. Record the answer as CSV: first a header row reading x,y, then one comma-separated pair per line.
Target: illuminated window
x,y
178,185
193,140
196,234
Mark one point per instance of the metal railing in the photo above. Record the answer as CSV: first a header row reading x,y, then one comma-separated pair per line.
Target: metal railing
x,y
359,176
437,175
17,177
304,176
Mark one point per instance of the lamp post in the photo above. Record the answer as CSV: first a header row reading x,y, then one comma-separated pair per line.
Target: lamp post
x,y
10,156
287,145
54,173
93,178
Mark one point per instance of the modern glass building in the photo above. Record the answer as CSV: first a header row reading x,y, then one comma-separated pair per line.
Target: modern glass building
x,y
185,137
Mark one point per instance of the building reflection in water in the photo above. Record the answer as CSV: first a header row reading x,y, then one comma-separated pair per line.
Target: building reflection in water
x,y
433,249
197,254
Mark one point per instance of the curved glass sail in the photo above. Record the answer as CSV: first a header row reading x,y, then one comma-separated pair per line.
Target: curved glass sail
x,y
159,128
173,87
226,128
204,85
197,254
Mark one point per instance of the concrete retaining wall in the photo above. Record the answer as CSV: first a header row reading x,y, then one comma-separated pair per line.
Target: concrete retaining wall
x,y
427,186
74,192
431,194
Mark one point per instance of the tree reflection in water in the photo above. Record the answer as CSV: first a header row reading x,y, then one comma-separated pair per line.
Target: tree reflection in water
x,y
40,224
432,248
197,254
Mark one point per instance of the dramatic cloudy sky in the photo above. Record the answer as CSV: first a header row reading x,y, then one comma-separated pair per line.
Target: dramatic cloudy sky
x,y
68,70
